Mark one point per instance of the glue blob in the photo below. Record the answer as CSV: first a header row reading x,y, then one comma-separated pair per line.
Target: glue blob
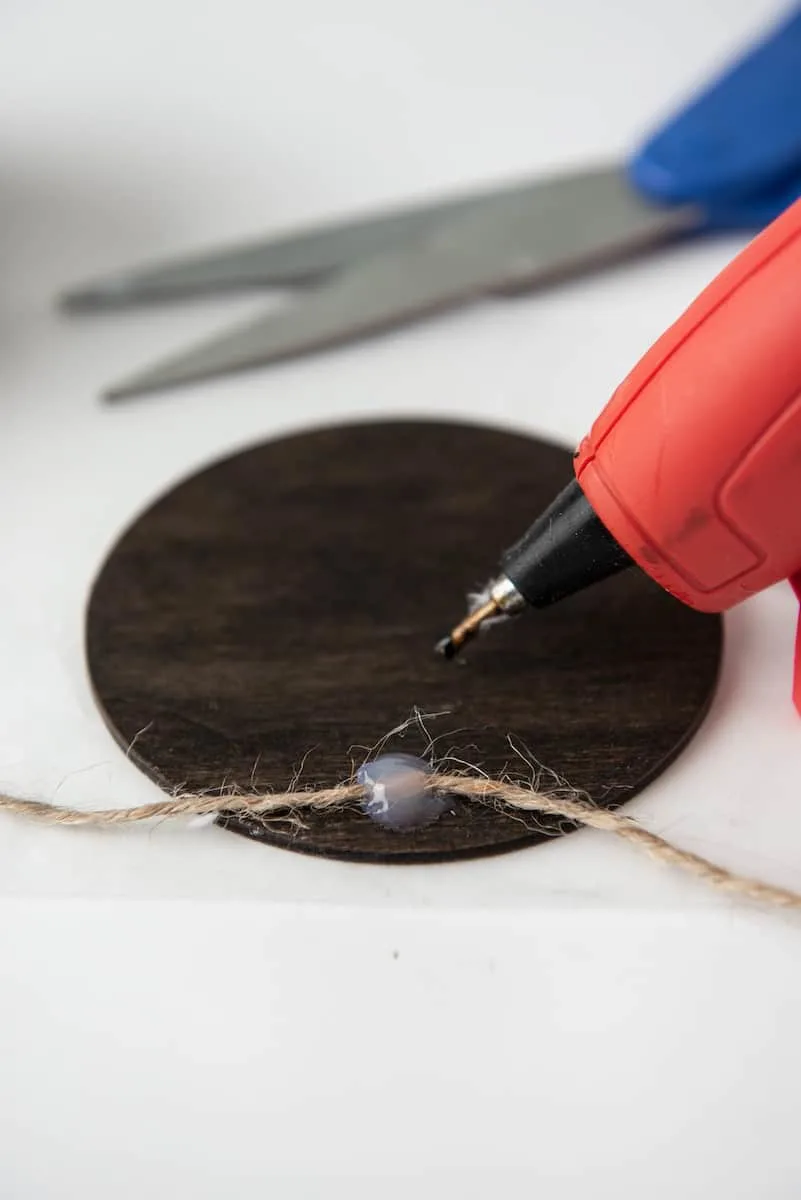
x,y
397,797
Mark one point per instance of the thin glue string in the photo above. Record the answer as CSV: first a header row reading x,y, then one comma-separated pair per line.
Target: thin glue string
x,y
498,793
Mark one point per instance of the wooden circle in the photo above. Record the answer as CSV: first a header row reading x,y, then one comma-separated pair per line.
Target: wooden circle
x,y
274,617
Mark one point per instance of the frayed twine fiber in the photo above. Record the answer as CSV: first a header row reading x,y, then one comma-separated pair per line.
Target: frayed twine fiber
x,y
575,808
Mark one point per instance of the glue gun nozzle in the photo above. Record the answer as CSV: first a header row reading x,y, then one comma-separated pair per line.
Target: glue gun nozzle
x,y
499,600
450,646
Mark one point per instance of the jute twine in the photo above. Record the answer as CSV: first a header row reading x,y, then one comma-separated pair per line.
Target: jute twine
x,y
573,807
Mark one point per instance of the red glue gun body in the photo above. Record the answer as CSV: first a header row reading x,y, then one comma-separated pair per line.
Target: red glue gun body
x,y
694,466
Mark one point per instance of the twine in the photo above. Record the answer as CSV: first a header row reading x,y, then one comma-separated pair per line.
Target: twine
x,y
575,808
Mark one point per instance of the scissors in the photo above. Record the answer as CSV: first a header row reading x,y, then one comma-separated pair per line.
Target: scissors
x,y
730,160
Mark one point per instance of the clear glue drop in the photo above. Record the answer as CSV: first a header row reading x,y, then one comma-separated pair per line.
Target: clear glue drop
x,y
397,796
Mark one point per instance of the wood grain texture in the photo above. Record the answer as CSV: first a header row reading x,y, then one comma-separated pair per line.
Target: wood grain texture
x,y
278,611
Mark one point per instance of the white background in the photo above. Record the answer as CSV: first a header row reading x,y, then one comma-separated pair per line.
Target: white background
x,y
183,1013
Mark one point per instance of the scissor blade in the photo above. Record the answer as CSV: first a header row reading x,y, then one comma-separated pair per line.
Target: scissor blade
x,y
281,261
566,226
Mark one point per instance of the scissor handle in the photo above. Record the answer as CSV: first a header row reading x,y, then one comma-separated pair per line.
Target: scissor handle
x,y
736,149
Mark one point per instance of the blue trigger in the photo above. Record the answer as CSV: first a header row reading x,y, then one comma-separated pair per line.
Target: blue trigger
x,y
736,149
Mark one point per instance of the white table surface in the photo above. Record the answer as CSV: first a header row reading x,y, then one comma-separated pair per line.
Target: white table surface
x,y
186,1014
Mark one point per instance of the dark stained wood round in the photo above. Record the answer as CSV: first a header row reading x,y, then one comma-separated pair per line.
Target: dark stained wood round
x,y
275,616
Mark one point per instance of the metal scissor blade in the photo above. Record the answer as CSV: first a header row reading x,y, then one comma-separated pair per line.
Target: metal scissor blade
x,y
555,229
273,262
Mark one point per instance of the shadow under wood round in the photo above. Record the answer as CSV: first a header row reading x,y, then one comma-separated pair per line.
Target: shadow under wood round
x,y
273,618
